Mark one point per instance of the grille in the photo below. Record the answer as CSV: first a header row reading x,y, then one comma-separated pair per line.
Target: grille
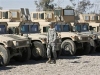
x,y
85,38
22,43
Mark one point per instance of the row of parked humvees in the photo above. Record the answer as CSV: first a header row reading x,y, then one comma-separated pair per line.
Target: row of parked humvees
x,y
22,38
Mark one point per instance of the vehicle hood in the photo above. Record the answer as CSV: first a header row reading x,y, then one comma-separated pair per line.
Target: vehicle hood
x,y
70,34
36,35
12,37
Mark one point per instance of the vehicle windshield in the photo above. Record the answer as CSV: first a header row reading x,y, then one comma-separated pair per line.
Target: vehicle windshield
x,y
78,28
25,29
81,28
34,29
58,28
65,28
2,29
29,29
84,28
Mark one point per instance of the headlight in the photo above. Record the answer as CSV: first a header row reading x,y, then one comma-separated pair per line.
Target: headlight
x,y
28,42
80,38
74,37
94,36
43,39
15,43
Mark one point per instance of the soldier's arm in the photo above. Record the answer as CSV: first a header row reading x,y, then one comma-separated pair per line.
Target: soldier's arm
x,y
55,35
48,36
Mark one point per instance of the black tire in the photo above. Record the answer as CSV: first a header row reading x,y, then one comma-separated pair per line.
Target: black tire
x,y
93,46
70,45
59,52
86,48
38,50
4,56
26,54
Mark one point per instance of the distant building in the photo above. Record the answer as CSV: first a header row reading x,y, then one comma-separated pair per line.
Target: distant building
x,y
89,18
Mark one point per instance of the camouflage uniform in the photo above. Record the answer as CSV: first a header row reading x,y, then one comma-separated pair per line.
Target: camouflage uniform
x,y
51,39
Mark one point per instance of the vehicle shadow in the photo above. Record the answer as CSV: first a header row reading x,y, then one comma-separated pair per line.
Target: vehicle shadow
x,y
5,68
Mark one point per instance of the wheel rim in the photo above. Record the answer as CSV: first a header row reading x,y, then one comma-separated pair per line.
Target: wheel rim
x,y
36,52
68,48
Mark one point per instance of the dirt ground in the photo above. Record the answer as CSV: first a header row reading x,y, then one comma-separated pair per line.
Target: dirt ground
x,y
66,65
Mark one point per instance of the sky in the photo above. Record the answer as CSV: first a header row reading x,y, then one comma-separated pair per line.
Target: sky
x,y
17,4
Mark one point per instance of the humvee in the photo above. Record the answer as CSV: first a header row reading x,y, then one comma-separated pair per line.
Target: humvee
x,y
86,29
12,45
22,25
71,41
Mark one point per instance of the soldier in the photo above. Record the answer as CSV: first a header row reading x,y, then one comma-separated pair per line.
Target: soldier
x,y
51,40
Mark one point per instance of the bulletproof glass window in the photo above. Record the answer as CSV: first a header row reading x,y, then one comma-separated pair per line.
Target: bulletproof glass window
x,y
5,15
86,17
34,28
49,15
14,14
93,18
2,29
45,29
25,29
58,28
57,12
41,15
35,15
66,28
84,28
78,28
68,12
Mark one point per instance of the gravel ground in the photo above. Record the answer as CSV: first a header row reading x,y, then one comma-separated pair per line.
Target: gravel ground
x,y
66,65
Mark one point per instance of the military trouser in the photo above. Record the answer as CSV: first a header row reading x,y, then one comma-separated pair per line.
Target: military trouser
x,y
49,48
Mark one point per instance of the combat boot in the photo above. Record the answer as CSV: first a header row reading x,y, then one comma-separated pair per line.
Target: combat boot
x,y
49,61
54,61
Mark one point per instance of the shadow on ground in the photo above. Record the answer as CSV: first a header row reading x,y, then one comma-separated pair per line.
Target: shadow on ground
x,y
5,68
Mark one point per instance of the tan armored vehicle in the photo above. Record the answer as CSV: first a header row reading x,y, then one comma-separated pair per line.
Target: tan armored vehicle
x,y
12,45
71,41
85,29
21,24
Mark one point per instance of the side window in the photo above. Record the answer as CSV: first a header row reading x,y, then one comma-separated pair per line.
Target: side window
x,y
86,17
5,15
49,15
35,15
41,15
92,17
14,14
45,29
